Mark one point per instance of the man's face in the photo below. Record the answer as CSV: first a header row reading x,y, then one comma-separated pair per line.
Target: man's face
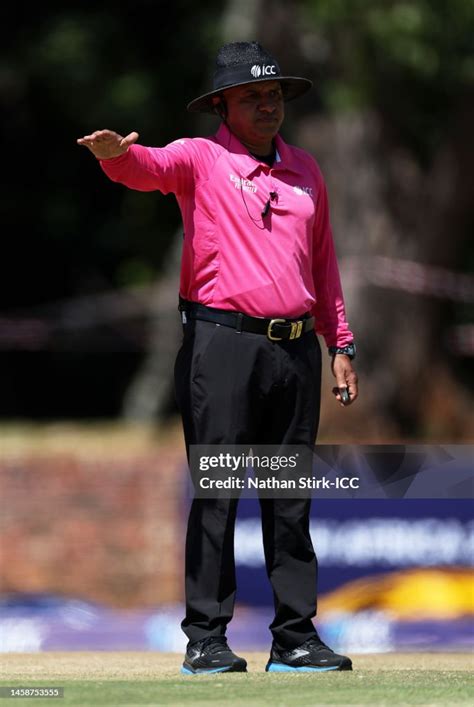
x,y
255,111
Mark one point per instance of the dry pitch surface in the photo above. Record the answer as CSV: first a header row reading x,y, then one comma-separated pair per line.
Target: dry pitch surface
x,y
148,678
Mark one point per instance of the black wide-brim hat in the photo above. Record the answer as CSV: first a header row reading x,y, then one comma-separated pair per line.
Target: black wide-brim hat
x,y
240,63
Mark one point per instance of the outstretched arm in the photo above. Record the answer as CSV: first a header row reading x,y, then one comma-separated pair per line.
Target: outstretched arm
x,y
168,169
105,144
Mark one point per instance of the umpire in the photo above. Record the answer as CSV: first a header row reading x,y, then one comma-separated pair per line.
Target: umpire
x,y
259,281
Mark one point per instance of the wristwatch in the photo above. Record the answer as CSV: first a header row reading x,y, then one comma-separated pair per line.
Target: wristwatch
x,y
349,350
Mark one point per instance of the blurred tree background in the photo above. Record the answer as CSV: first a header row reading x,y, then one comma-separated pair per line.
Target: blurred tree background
x,y
84,260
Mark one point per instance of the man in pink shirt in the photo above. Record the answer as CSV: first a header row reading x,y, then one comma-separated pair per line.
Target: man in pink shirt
x,y
259,280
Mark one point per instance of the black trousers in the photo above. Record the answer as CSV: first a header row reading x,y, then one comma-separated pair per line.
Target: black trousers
x,y
241,388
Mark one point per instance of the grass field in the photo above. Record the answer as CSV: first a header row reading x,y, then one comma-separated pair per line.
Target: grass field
x,y
96,679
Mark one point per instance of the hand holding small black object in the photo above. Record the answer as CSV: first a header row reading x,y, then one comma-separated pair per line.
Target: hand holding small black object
x,y
344,393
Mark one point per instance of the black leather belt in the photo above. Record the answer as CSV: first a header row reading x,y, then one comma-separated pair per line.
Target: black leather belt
x,y
274,329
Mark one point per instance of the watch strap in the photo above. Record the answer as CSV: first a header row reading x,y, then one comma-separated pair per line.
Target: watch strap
x,y
349,350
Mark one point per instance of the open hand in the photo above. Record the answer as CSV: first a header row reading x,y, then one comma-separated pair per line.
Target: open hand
x,y
105,144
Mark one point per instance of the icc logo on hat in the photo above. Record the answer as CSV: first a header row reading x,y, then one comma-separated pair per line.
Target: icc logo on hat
x,y
264,70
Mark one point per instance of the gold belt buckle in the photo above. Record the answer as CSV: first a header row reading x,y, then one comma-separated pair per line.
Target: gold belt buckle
x,y
269,330
296,329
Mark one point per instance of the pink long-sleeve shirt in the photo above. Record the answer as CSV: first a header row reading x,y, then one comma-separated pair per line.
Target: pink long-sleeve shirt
x,y
278,265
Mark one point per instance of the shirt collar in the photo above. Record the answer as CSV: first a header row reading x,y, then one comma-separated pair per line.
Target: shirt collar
x,y
284,159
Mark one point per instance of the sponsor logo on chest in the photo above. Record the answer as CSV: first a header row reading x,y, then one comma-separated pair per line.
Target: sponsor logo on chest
x,y
301,191
243,184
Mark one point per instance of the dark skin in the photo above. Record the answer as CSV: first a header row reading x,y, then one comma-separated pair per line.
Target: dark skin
x,y
255,113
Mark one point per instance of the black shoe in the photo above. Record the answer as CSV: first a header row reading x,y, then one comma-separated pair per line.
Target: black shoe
x,y
212,655
312,656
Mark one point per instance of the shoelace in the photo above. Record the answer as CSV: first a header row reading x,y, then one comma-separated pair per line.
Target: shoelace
x,y
216,644
315,642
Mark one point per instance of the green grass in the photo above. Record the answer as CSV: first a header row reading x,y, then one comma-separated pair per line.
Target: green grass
x,y
382,687
94,679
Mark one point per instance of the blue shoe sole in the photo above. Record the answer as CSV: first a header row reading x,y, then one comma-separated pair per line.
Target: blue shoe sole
x,y
203,671
283,668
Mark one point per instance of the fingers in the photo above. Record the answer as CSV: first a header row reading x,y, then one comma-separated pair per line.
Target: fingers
x,y
100,136
129,140
346,391
341,378
353,388
342,395
105,144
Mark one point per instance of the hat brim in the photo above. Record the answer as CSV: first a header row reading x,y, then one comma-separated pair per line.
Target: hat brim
x,y
292,86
